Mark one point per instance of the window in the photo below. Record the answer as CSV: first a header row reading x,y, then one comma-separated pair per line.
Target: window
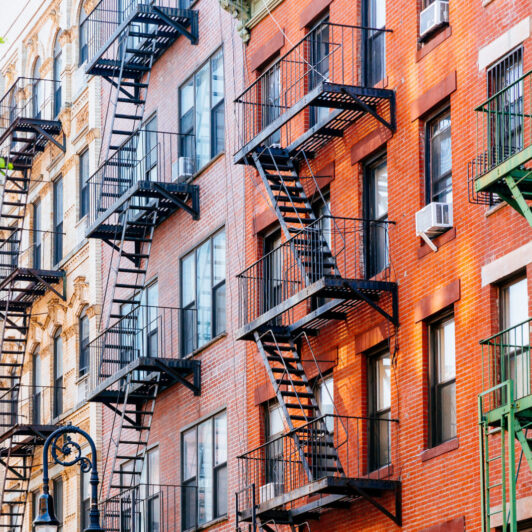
x,y
319,59
443,380
506,110
37,235
37,93
84,183
85,499
204,471
83,343
379,402
375,41
270,89
201,105
274,427
58,501
514,316
273,271
34,507
325,396
83,37
37,388
148,151
58,373
376,234
57,69
203,293
58,220
439,186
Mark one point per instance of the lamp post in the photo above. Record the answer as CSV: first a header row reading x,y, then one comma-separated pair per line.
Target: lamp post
x,y
67,453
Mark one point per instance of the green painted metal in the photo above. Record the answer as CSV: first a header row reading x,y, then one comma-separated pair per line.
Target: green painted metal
x,y
505,413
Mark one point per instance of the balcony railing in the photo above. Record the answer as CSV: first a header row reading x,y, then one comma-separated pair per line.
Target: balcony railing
x,y
362,448
506,364
145,157
146,507
144,332
504,127
28,98
336,54
27,405
104,24
330,247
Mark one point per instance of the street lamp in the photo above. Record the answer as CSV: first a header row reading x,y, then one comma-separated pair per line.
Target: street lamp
x,y
70,454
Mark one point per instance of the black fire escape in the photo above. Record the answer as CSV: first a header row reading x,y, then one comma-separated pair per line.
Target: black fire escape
x,y
144,179
27,125
326,268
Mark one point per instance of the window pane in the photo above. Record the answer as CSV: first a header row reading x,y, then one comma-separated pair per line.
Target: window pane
x,y
189,454
220,439
219,302
153,467
515,306
446,368
204,293
205,473
189,505
275,422
381,190
448,411
202,116
441,159
221,491
383,382
188,280
219,257
217,78
326,404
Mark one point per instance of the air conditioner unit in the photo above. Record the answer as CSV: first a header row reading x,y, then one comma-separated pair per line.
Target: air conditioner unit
x,y
433,219
433,16
185,168
269,491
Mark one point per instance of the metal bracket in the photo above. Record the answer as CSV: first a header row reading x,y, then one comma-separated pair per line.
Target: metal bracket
x,y
178,27
50,287
397,518
393,319
194,212
194,386
368,109
40,130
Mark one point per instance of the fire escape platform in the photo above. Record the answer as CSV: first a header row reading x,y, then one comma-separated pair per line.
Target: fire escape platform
x,y
171,23
344,295
335,492
166,371
32,431
170,197
38,283
522,408
347,103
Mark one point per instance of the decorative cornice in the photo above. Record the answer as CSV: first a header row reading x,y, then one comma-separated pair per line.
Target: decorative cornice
x,y
93,134
241,10
66,37
65,117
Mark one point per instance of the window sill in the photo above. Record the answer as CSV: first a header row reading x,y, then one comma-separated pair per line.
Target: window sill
x,y
440,449
382,473
82,378
494,208
206,346
206,166
208,525
433,41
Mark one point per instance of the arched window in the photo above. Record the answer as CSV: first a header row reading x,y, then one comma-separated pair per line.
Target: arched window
x,y
58,68
37,388
83,36
83,343
37,94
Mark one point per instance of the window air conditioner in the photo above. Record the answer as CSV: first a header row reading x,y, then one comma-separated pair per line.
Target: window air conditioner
x,y
185,168
433,16
433,219
269,491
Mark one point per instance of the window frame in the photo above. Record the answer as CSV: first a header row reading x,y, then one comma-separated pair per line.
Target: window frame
x,y
59,501
84,499
369,70
214,149
83,45
57,64
193,304
84,191
37,399
37,234
216,468
58,379
58,224
429,178
83,351
435,385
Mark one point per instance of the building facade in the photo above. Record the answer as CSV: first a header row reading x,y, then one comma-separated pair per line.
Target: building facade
x,y
283,277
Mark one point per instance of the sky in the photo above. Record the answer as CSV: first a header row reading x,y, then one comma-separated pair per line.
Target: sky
x,y
9,11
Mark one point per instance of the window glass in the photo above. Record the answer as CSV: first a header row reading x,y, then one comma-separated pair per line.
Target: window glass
x,y
83,343
58,373
440,159
84,183
220,439
275,421
189,454
37,388
57,70
58,500
85,499
37,235
58,220
375,48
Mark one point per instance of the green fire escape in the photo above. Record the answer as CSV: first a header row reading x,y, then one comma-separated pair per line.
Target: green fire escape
x,y
505,422
502,168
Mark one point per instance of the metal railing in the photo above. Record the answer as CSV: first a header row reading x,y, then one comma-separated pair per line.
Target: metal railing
x,y
26,405
146,507
504,126
506,357
109,17
147,155
331,246
30,98
145,331
351,447
334,53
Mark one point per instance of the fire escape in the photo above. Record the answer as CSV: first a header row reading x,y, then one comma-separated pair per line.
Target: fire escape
x,y
143,179
326,268
502,169
27,125
505,422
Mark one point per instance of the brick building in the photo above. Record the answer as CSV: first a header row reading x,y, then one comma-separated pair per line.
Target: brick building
x,y
297,231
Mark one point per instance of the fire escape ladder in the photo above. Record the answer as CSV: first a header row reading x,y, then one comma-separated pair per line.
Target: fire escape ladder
x,y
129,98
134,416
281,357
17,460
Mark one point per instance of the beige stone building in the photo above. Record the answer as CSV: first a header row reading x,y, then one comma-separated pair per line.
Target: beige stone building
x,y
49,134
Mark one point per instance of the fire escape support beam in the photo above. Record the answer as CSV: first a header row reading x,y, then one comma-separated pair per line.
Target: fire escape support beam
x,y
194,192
194,386
372,111
50,287
393,319
41,131
4,316
178,27
522,206
15,472
396,517
119,87
519,431
119,412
